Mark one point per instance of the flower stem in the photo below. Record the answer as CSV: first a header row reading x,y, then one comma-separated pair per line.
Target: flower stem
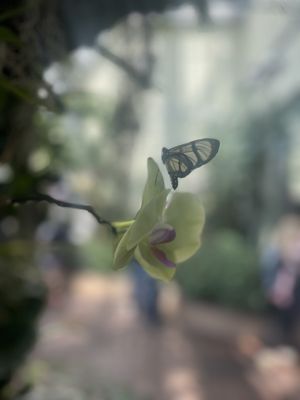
x,y
122,226
38,197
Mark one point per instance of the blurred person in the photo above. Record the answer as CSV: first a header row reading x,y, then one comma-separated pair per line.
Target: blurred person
x,y
145,293
281,277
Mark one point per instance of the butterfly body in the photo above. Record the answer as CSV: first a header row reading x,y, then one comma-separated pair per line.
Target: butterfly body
x,y
181,160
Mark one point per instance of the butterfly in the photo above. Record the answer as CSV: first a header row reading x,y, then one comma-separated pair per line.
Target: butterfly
x,y
183,159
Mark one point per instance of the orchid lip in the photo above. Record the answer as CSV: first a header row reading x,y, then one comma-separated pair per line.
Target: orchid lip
x,y
162,234
160,255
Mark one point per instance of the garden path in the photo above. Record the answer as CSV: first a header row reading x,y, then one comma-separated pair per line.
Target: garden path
x,y
97,347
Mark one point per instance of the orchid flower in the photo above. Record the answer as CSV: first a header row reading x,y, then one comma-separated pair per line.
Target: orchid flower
x,y
166,231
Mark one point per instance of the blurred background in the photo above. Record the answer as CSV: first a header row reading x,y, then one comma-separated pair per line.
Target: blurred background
x,y
89,90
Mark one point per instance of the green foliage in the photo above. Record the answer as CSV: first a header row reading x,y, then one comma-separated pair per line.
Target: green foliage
x,y
116,392
224,271
16,90
6,35
22,297
10,13
97,254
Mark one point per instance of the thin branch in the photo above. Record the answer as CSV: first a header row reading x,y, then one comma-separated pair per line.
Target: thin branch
x,y
142,78
45,197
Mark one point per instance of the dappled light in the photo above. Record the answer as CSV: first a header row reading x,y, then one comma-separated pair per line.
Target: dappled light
x,y
149,204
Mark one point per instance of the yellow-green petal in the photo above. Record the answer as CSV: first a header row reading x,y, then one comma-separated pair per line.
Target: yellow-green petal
x,y
147,218
151,264
155,182
186,214
122,255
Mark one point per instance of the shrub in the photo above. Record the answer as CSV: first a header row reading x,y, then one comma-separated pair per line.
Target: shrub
x,y
224,271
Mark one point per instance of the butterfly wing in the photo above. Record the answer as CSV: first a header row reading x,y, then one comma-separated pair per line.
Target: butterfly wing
x,y
178,166
183,159
199,152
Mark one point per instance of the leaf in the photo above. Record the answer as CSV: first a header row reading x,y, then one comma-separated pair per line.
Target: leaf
x,y
15,11
6,35
17,91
